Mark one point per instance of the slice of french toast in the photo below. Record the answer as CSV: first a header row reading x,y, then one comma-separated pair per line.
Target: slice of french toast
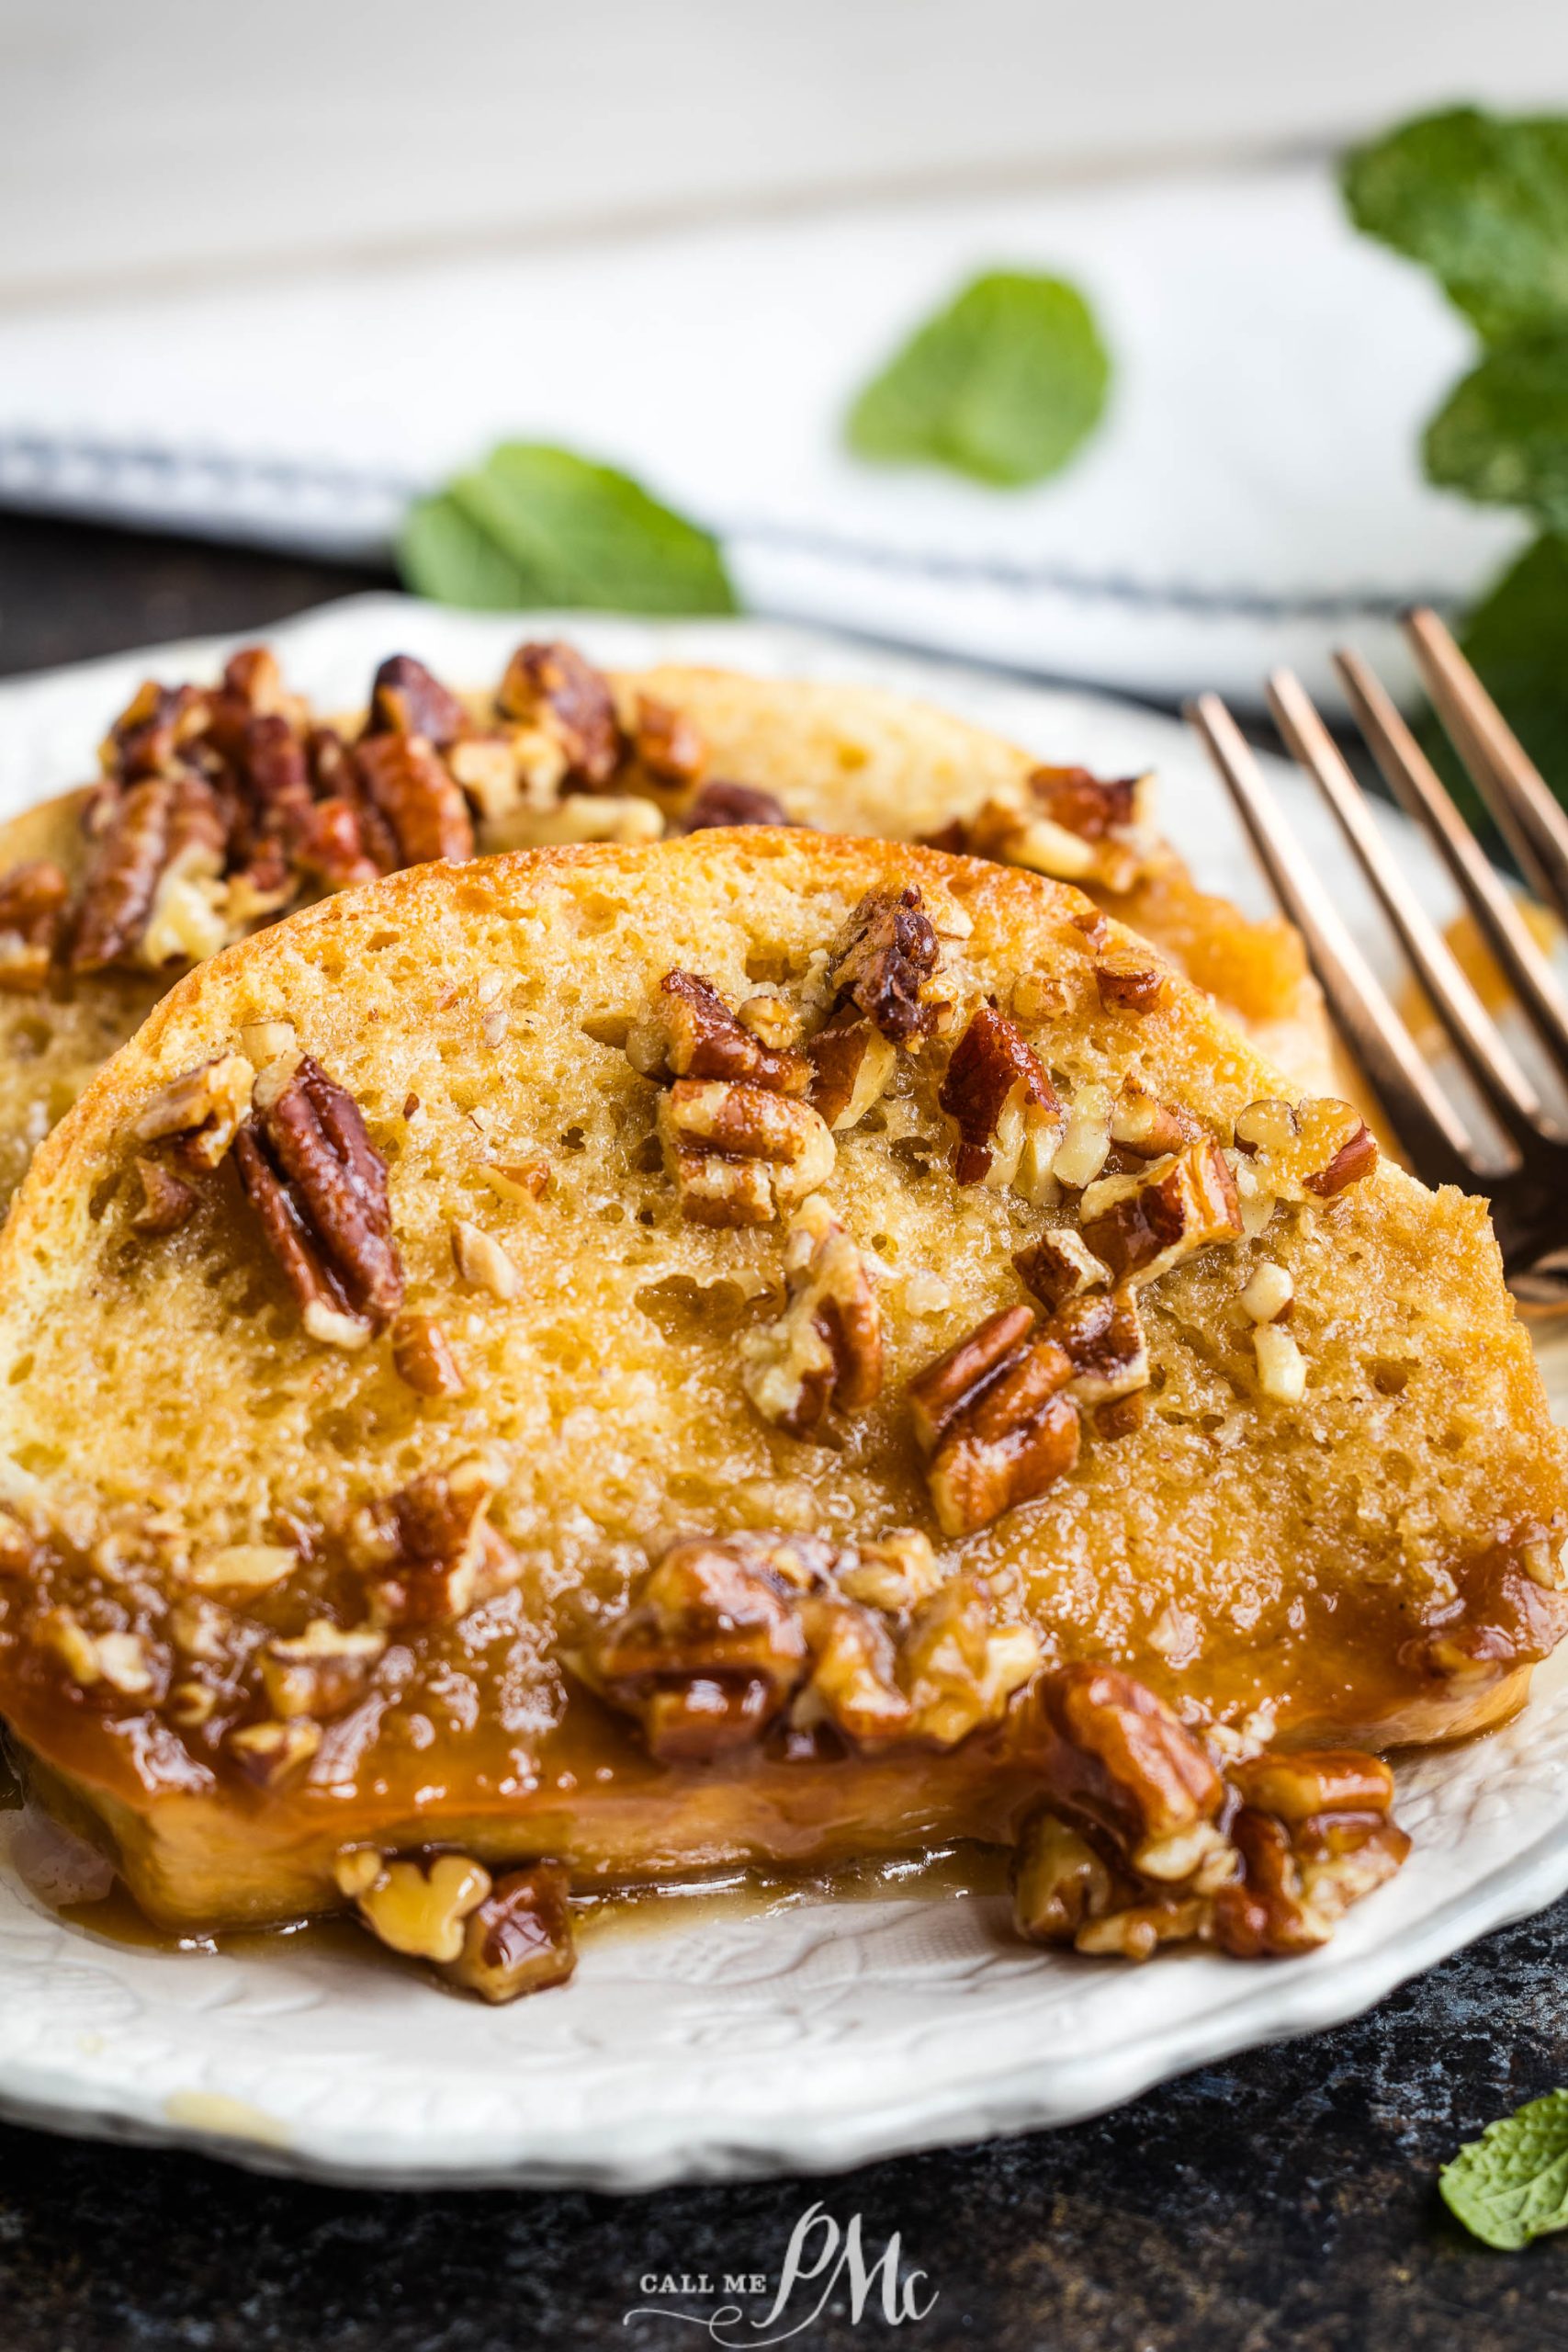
x,y
222,807
762,1347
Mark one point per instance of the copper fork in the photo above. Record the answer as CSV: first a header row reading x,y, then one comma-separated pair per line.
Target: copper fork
x,y
1527,1188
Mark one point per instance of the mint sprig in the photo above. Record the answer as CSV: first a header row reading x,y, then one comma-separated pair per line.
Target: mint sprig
x,y
1003,385
1511,2185
535,524
1482,202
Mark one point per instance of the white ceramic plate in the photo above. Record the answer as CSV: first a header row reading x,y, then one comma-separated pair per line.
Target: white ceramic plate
x,y
809,2038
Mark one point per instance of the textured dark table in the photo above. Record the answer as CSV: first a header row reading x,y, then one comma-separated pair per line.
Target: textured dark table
x,y
1285,2200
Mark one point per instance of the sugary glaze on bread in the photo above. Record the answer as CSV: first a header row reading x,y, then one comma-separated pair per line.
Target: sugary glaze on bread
x,y
849,760
1373,1561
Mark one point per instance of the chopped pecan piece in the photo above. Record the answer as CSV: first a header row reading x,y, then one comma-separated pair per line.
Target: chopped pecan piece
x,y
1143,1226
852,1682
319,1186
712,1648
959,1667
732,804
1060,1266
552,687
882,961
1314,1835
518,1939
430,1552
1093,808
893,1574
992,1423
155,728
1306,1151
203,1106
166,1199
484,1262
1086,1144
33,899
270,1753
1149,1128
423,1358
1281,1367
824,1350
320,1671
407,699
739,1153
1128,980
1117,1758
1103,1336
1010,1122
667,744
852,1062
412,788
688,1031
342,842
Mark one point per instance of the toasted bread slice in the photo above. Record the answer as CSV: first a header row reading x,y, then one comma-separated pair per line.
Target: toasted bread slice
x,y
848,760
726,1350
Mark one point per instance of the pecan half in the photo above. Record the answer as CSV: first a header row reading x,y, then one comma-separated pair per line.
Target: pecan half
x,y
164,834
156,727
712,1649
33,899
319,1186
992,1423
1117,1758
412,788
552,687
1008,1119
430,1553
739,1153
1143,1226
518,1939
882,960
732,804
852,1062
688,1031
407,699
667,744
1303,1151
824,1350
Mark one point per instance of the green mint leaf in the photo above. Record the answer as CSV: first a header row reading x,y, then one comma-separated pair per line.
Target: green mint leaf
x,y
1502,435
1003,385
585,535
1515,637
1482,202
445,557
1511,2185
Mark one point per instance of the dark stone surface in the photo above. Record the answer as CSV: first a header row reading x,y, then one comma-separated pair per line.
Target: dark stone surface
x,y
1287,2200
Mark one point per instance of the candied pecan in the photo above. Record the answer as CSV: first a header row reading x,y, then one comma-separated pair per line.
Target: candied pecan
x,y
319,1186
518,1939
1059,1882
1314,1836
430,1552
712,1648
958,1667
996,1090
203,1106
824,1350
164,831
852,1682
892,1574
155,728
1060,1266
418,1905
33,899
166,1199
1087,805
852,1062
688,1031
1118,1760
342,843
407,699
739,1153
1103,1336
1306,1151
991,1421
732,804
667,744
1149,1128
320,1671
272,1752
882,958
1143,1226
411,788
553,687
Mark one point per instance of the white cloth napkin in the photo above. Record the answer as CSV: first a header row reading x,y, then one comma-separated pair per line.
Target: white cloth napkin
x,y
1253,497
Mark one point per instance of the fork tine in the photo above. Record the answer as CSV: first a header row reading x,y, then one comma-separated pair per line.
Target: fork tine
x,y
1420,1112
1475,1036
1421,793
1506,778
